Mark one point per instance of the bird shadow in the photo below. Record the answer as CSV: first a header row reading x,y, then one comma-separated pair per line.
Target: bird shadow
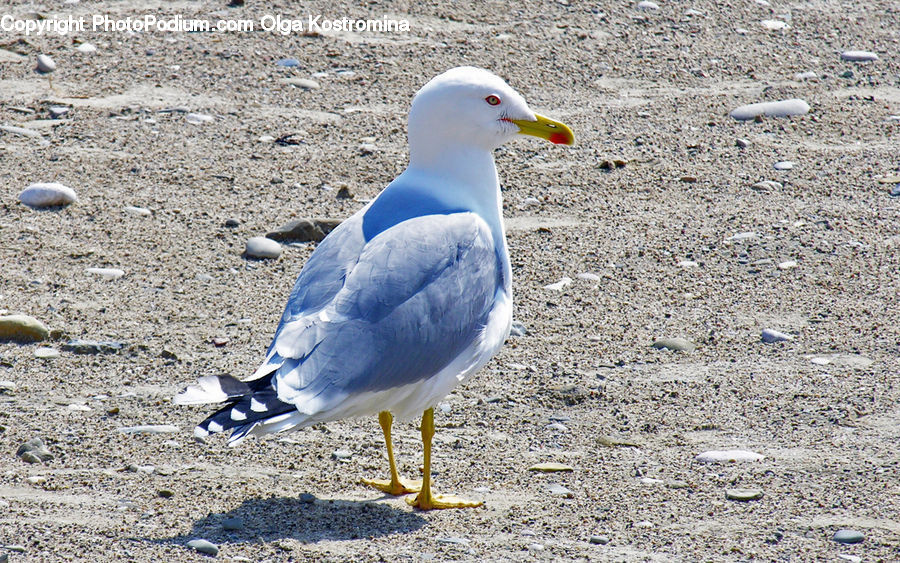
x,y
306,520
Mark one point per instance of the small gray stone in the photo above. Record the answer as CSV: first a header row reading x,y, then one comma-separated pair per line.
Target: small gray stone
x,y
204,546
307,498
79,346
766,185
232,524
742,143
674,344
743,495
783,108
341,455
858,56
45,64
198,118
647,6
49,194
34,451
304,230
137,211
560,491
288,62
848,536
232,223
784,165
599,539
22,329
106,273
262,247
770,336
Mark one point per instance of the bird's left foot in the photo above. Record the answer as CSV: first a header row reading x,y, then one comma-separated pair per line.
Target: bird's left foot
x,y
396,488
441,501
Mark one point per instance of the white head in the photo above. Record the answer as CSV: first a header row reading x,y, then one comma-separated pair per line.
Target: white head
x,y
475,108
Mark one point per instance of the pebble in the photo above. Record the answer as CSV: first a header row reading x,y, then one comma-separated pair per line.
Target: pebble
x,y
599,539
560,491
782,108
530,202
86,48
288,62
741,236
49,194
858,56
536,547
34,451
647,5
304,83
674,344
307,498
45,64
841,556
79,346
742,143
454,540
557,427
787,264
106,273
232,524
848,536
558,286
743,495
688,264
341,455
22,329
137,211
198,118
550,467
784,165
149,429
36,480
6,386
728,456
766,185
304,230
770,336
204,546
587,276
262,247
58,111
774,25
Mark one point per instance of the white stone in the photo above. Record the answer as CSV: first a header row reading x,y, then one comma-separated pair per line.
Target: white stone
x,y
558,286
86,48
47,195
741,236
781,108
198,118
304,83
647,5
787,265
770,336
45,64
774,25
728,456
858,56
805,75
262,247
139,211
46,353
784,165
106,273
688,264
587,276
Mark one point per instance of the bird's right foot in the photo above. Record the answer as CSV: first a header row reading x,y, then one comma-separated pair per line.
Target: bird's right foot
x,y
396,488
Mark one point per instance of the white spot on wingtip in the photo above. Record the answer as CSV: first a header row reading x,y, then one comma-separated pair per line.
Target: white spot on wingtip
x,y
215,426
200,432
256,406
238,415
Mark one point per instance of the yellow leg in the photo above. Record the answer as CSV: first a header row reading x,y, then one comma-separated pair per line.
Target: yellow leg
x,y
425,500
396,486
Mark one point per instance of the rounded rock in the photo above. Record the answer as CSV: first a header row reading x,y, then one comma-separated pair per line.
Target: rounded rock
x,y
50,194
674,344
858,56
599,539
106,273
729,456
46,353
204,546
45,64
783,108
262,247
232,524
784,165
848,536
770,336
743,495
22,329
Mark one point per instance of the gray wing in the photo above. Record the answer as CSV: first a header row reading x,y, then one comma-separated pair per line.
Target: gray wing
x,y
419,294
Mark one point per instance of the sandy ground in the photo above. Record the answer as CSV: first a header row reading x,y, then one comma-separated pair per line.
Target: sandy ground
x,y
583,387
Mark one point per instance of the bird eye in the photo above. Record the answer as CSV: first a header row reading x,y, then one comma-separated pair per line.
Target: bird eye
x,y
493,100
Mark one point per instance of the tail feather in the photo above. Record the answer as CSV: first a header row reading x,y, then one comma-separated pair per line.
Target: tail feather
x,y
251,407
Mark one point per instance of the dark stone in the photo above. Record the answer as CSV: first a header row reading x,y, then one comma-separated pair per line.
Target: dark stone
x,y
304,230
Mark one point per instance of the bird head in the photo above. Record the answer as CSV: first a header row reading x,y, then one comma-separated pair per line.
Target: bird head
x,y
473,106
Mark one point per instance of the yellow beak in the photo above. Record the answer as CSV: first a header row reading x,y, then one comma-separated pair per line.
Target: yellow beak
x,y
545,128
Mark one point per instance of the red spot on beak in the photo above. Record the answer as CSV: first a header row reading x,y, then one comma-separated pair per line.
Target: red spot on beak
x,y
559,139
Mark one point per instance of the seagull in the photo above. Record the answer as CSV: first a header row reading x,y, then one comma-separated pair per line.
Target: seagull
x,y
404,300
